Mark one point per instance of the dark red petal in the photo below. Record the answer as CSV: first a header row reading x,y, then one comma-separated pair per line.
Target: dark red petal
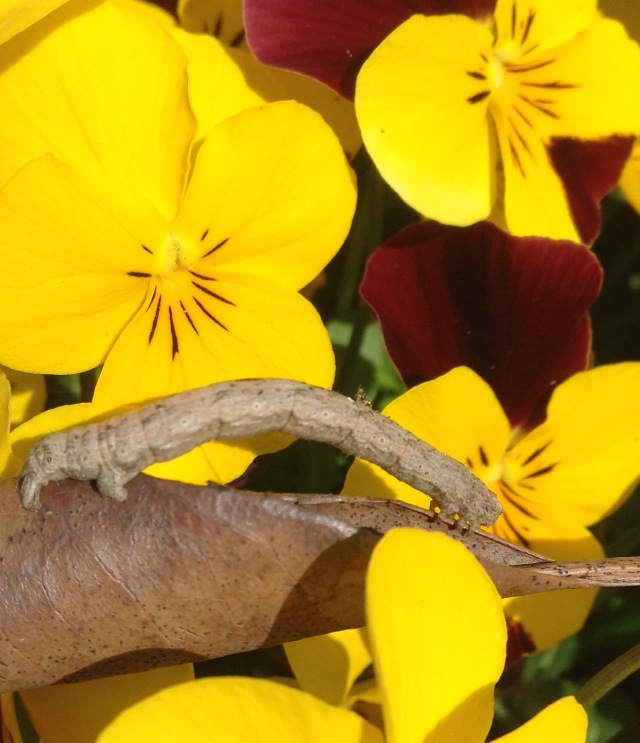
x,y
519,643
589,170
330,39
513,309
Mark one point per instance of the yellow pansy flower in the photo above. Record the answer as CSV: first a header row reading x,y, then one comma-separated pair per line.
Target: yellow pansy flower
x,y
553,481
438,639
156,228
463,117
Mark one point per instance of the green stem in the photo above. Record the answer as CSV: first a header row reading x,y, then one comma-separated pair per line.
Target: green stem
x,y
609,677
347,377
365,236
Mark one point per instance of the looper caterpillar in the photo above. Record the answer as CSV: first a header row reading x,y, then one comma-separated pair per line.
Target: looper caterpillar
x,y
114,451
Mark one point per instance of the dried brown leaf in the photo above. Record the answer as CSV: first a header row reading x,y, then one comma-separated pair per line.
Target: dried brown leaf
x,y
92,587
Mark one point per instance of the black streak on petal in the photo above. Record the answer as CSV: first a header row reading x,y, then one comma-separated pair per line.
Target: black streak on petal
x,y
516,158
216,247
204,234
145,248
530,49
202,276
212,294
515,499
555,85
529,67
541,471
218,26
189,320
483,456
511,525
521,139
477,75
509,493
139,274
478,97
237,39
539,107
154,324
174,336
153,296
209,315
522,116
535,454
527,28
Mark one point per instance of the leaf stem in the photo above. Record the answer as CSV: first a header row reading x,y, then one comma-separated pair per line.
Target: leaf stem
x,y
609,677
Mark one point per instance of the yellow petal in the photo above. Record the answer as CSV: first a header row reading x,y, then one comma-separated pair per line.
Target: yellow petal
x,y
564,721
422,122
223,18
76,713
260,331
232,710
274,185
550,617
572,93
570,84
623,11
590,443
9,465
210,61
551,22
9,727
630,179
438,638
529,177
215,462
26,436
67,246
103,86
219,462
327,666
337,111
366,691
16,15
459,414
28,394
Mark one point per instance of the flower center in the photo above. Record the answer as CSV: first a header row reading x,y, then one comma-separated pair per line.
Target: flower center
x,y
515,478
183,299
173,257
497,71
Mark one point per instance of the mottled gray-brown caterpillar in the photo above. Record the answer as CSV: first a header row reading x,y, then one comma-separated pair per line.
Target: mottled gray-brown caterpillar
x,y
115,451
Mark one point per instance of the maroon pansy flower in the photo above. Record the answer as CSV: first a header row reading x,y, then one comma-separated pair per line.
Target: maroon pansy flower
x,y
330,40
515,310
476,121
